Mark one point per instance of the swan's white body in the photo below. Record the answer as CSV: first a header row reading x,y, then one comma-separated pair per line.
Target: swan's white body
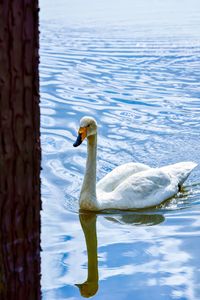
x,y
129,186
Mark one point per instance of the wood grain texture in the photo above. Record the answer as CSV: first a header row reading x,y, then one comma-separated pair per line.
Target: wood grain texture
x,y
20,155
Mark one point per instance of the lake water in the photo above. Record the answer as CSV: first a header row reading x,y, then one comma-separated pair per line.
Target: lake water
x,y
135,67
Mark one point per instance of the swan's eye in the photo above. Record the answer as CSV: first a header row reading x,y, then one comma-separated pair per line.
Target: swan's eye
x,y
88,126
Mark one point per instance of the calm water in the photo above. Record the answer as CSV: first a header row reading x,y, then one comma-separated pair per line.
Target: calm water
x,y
135,67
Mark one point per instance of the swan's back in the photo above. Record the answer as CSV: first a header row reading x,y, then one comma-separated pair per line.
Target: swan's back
x,y
118,175
147,188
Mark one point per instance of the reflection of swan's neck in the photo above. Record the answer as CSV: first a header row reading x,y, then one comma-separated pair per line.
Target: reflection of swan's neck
x,y
90,286
90,233
88,192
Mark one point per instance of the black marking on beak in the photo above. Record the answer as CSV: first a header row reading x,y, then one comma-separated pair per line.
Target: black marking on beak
x,y
78,141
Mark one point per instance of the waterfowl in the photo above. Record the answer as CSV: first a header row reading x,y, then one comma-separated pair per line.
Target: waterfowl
x,y
129,186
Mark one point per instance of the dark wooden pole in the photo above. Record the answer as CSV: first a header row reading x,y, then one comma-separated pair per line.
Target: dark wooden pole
x,y
19,151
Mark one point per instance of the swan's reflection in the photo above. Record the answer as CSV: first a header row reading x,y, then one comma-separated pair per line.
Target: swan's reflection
x,y
88,223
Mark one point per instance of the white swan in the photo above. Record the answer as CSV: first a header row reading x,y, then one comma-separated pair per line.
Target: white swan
x,y
129,186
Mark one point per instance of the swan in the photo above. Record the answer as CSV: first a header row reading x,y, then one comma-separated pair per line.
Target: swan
x,y
129,186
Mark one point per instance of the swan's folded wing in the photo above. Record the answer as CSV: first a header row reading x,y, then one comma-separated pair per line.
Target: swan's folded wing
x,y
117,176
144,189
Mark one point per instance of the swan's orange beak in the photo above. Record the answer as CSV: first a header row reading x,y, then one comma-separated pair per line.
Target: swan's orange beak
x,y
82,133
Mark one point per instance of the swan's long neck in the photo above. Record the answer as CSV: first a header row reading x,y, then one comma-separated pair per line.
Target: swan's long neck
x,y
88,198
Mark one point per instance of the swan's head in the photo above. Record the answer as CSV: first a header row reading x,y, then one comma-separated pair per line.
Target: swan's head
x,y
88,127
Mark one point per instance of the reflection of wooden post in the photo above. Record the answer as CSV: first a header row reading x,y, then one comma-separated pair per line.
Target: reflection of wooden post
x,y
19,151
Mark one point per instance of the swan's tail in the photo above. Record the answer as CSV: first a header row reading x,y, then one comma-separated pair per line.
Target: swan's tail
x,y
180,170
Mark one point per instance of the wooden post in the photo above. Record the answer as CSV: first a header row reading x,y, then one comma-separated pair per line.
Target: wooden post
x,y
19,151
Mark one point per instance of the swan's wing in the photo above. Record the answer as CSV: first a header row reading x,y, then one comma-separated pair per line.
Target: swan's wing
x,y
144,189
119,175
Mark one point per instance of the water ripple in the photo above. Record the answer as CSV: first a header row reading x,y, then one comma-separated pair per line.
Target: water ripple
x,y
140,91
144,93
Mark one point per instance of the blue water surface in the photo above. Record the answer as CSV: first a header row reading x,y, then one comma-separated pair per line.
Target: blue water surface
x,y
135,67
